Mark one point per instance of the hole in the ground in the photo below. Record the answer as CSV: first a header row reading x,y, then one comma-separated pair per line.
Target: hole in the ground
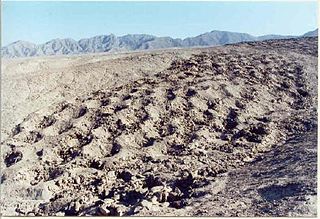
x,y
131,197
13,157
126,97
149,142
152,181
39,153
211,104
3,178
192,137
96,164
125,175
120,107
232,119
208,114
302,92
54,173
115,148
170,95
176,149
259,129
191,92
80,112
16,130
104,102
171,129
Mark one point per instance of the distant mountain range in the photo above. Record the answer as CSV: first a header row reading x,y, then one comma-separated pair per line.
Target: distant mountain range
x,y
311,33
131,42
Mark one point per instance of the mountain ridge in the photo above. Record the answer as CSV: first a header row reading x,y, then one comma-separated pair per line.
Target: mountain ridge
x,y
130,42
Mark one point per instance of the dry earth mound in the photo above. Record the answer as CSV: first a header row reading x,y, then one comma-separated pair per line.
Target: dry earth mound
x,y
164,144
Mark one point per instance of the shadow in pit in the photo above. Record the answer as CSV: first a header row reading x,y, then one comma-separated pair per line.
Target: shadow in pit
x,y
277,192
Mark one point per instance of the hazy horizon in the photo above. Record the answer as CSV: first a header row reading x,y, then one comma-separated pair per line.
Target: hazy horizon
x,y
39,22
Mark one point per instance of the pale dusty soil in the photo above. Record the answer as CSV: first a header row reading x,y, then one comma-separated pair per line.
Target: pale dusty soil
x,y
224,131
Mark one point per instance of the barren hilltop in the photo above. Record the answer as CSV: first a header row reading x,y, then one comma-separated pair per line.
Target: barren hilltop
x,y
223,131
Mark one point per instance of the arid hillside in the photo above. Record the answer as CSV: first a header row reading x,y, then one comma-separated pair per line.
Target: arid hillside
x,y
221,131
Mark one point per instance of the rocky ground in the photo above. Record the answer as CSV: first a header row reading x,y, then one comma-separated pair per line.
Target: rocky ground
x,y
224,131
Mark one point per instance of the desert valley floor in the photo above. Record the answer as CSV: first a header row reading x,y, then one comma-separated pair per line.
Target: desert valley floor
x,y
221,131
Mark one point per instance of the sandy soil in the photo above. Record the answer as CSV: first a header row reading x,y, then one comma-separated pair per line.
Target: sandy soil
x,y
224,131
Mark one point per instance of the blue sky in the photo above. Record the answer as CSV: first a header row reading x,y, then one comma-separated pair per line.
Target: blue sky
x,y
39,22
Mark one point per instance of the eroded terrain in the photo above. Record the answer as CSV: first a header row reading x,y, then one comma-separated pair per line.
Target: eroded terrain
x,y
225,131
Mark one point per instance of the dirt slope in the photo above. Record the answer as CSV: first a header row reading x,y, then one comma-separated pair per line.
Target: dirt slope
x,y
176,141
31,84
